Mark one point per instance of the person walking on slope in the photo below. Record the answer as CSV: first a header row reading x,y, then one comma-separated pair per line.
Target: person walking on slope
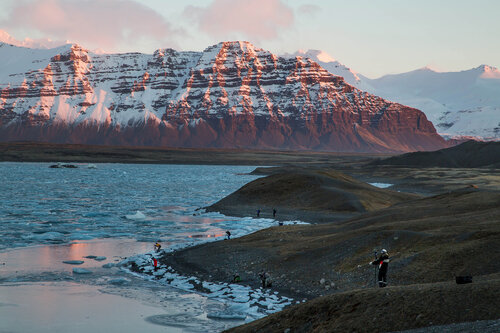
x,y
383,264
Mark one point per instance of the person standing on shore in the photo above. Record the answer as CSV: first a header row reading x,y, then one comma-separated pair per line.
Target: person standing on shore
x,y
258,212
274,213
157,246
262,276
228,234
383,264
155,264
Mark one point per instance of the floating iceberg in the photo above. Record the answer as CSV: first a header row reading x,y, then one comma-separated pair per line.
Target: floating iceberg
x,y
381,185
119,281
227,315
73,262
78,270
137,216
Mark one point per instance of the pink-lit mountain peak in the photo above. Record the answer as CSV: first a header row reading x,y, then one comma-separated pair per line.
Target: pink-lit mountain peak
x,y
244,55
489,72
234,47
316,54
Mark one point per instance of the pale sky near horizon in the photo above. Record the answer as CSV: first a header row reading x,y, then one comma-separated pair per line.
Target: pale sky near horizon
x,y
373,37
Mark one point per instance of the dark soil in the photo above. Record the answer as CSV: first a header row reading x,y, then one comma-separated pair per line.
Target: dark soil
x,y
389,309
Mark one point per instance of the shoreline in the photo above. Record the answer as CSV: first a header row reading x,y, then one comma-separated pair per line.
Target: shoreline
x,y
301,258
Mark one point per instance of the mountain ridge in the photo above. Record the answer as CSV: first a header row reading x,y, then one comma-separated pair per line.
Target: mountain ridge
x,y
461,105
232,94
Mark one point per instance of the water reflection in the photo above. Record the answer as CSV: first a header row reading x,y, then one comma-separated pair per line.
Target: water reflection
x,y
36,286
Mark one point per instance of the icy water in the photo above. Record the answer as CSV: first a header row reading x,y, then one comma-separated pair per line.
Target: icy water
x,y
114,211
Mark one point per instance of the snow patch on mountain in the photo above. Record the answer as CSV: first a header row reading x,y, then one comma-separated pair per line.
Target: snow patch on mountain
x,y
333,66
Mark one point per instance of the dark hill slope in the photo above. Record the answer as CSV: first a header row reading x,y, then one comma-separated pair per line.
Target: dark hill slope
x,y
314,195
470,154
385,310
430,240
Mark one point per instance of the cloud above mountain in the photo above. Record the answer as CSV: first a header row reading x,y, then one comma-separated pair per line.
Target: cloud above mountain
x,y
39,43
103,24
256,20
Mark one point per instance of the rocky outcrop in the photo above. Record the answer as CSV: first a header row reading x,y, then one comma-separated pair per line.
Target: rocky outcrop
x,y
232,95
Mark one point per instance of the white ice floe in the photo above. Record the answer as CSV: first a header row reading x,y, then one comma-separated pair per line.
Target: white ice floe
x,y
46,236
242,302
73,262
291,222
137,216
381,185
226,315
78,270
119,281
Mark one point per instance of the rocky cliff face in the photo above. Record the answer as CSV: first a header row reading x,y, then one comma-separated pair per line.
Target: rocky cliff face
x,y
231,95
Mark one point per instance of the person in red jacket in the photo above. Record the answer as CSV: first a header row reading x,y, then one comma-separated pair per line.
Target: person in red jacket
x,y
155,264
383,264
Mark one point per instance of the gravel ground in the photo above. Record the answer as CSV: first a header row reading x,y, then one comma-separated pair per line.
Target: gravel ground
x,y
481,326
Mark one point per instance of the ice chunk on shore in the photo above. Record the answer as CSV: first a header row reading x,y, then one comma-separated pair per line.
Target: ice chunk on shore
x,y
160,272
78,270
227,315
243,302
137,216
73,262
100,258
381,185
119,281
47,236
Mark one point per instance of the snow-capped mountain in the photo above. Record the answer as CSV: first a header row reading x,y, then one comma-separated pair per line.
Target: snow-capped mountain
x,y
335,67
459,104
465,103
230,95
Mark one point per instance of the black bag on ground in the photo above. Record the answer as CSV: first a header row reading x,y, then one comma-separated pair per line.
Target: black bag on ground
x,y
463,279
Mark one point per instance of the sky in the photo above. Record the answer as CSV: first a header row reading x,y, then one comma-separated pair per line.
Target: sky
x,y
372,37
